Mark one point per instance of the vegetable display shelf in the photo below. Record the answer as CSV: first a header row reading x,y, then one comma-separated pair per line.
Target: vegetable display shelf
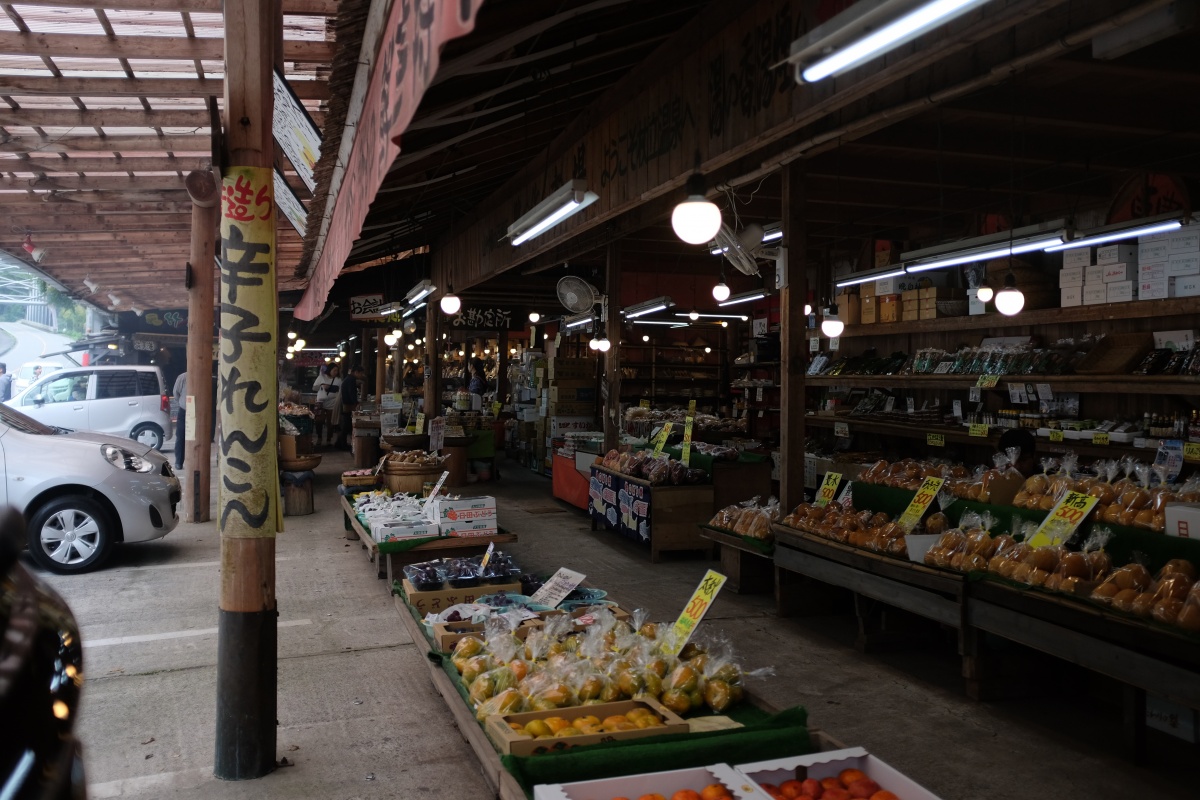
x,y
660,517
1084,384
396,554
745,562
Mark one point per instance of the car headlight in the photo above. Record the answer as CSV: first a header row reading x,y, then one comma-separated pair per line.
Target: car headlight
x,y
121,458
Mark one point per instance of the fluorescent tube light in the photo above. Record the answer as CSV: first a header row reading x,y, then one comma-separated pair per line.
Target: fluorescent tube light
x,y
1101,236
744,297
873,276
986,255
420,291
742,317
578,320
773,232
648,307
412,310
569,199
867,30
669,322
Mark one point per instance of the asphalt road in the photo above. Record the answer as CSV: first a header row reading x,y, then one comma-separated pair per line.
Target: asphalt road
x,y
32,344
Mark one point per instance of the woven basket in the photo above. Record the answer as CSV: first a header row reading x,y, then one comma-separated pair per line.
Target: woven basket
x,y
952,308
359,480
411,480
299,464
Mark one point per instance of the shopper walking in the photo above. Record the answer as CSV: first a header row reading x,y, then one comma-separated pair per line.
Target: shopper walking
x,y
180,395
327,386
349,394
5,383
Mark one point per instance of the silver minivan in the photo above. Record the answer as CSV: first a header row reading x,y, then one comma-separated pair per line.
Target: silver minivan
x,y
127,401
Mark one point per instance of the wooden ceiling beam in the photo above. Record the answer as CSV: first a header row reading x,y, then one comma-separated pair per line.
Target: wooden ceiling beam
x,y
82,45
137,87
134,163
64,200
120,215
103,118
58,238
115,183
99,223
311,8
114,144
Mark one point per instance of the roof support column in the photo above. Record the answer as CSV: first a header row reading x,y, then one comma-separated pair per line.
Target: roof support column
x,y
792,329
612,359
434,347
248,501
380,367
197,449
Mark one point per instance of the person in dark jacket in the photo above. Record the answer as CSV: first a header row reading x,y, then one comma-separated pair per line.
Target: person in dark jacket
x,y
351,387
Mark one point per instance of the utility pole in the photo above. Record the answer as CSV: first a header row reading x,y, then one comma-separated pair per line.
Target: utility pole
x,y
197,453
248,501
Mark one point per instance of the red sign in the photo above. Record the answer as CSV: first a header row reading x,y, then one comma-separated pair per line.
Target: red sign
x,y
408,60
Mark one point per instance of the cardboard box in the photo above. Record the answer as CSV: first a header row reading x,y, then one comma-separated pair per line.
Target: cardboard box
x,y
1156,289
1187,286
903,283
975,306
441,599
394,531
870,309
573,394
889,307
462,529
509,742
571,368
1152,272
929,313
866,289
561,424
910,295
1122,291
583,616
1071,296
1153,248
909,305
1176,340
1185,240
910,316
650,783
464,509
1119,272
1183,264
829,764
849,309
1095,294
942,293
1117,253
1183,520
292,446
447,634
1093,275
1070,276
1077,257
571,409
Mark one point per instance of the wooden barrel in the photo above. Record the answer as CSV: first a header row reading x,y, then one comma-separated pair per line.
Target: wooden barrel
x,y
409,477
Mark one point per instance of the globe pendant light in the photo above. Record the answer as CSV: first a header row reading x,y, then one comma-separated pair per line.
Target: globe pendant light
x,y
832,326
603,345
534,316
1010,300
696,220
594,343
984,293
721,290
450,302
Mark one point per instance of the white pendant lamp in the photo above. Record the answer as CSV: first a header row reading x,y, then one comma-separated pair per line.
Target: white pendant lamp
x,y
389,339
984,293
832,326
450,302
721,290
534,316
696,220
603,345
1010,300
593,343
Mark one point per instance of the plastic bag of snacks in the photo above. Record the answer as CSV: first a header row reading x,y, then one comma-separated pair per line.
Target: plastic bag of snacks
x,y
1076,570
1189,615
1010,553
755,521
1163,599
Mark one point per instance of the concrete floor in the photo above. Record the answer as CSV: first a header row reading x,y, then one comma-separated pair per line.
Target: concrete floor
x,y
359,719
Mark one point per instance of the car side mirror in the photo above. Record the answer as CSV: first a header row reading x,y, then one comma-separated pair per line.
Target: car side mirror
x,y
39,400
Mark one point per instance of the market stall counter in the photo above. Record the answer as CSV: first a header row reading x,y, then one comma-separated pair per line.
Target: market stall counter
x,y
664,518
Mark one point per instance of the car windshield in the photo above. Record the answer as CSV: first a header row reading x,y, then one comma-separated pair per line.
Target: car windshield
x,y
15,419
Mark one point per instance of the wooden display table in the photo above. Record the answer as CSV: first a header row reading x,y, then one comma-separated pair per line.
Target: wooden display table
x,y
662,517
746,569
451,547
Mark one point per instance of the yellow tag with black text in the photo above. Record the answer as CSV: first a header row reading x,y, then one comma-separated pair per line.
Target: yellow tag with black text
x,y
828,489
920,503
697,606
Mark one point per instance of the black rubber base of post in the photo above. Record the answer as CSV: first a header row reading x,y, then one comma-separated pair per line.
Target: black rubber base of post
x,y
246,694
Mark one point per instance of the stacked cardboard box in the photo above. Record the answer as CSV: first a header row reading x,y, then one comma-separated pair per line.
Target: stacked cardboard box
x,y
930,296
1169,264
1101,275
466,516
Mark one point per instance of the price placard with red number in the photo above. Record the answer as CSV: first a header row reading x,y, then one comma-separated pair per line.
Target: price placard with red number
x,y
920,503
686,453
696,608
828,489
661,441
1063,519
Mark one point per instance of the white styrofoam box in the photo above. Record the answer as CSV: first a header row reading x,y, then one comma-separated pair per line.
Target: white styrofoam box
x,y
462,529
1122,291
662,783
1183,264
1079,257
1185,240
1119,272
1070,276
1117,253
393,530
1187,286
464,508
902,283
1095,294
1093,275
1183,520
1071,296
828,764
1152,272
560,425
975,306
1176,340
1156,289
1153,248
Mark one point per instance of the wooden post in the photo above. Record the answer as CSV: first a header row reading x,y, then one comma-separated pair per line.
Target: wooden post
x,y
197,452
248,503
612,360
380,366
502,366
434,347
792,332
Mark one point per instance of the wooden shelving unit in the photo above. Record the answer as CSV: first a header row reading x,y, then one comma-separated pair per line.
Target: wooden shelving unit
x,y
657,379
1084,384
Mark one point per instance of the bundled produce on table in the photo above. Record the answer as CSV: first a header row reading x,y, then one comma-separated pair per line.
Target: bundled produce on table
x,y
871,530
700,422
660,470
383,506
555,667
462,573
585,724
965,548
749,518
418,458
849,784
287,409
718,451
1170,598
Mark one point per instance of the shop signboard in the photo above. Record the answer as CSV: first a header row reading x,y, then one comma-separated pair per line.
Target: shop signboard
x,y
295,132
365,306
622,504
290,204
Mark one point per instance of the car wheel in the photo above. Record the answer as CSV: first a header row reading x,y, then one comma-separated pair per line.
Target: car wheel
x,y
148,434
70,534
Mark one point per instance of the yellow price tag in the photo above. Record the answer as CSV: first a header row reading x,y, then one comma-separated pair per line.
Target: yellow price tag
x,y
701,600
920,503
496,409
828,489
1191,451
935,440
644,403
420,423
979,429
1063,519
987,381
1056,435
691,408
661,440
397,397
686,451
1099,438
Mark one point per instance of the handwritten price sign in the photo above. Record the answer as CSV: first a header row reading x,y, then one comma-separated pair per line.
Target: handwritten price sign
x,y
1056,435
1191,451
978,429
696,608
920,503
828,489
686,455
935,440
988,381
1100,438
1063,519
661,441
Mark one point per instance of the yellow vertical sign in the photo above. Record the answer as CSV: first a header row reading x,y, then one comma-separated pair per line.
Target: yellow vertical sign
x,y
248,495
661,440
420,423
691,408
697,606
686,455
828,489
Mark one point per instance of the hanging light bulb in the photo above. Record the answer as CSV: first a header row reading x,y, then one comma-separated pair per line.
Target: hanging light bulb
x,y
328,359
807,309
721,291
984,293
1010,300
289,355
462,352
645,337
603,345
724,324
696,220
397,332
342,353
290,349
410,327
534,316
389,339
299,344
694,315
708,350
832,326
337,359
450,302
291,334
512,351
417,341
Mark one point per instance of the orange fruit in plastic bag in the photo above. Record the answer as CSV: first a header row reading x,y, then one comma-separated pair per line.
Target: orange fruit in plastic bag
x,y
685,794
714,791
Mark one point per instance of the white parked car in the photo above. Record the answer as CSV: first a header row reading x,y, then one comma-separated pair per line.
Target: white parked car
x,y
121,401
30,371
83,493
